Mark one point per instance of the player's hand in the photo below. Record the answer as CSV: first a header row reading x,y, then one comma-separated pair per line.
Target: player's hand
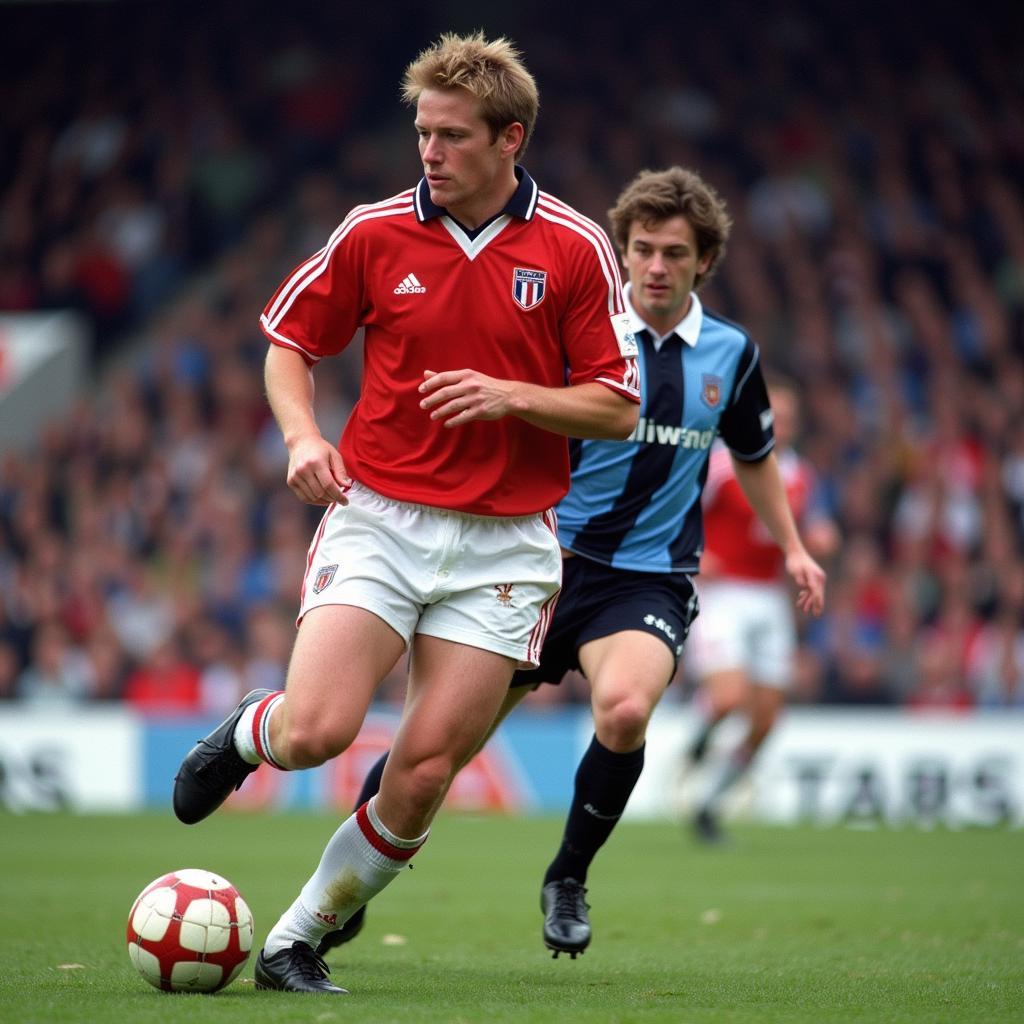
x,y
809,578
710,566
316,472
461,396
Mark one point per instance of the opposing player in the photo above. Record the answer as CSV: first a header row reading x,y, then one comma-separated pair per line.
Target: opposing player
x,y
742,649
630,526
494,322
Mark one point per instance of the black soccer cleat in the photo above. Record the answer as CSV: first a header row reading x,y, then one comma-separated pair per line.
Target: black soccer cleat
x,y
707,829
213,768
566,924
346,933
297,969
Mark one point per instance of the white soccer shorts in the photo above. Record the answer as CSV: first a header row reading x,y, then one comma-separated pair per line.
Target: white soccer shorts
x,y
483,581
744,625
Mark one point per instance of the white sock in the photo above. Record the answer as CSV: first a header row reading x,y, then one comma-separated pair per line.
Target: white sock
x,y
361,858
252,732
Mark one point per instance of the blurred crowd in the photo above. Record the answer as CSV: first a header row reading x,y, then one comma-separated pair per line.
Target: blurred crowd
x,y
149,549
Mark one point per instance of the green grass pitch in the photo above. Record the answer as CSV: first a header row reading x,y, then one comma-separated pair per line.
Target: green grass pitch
x,y
788,925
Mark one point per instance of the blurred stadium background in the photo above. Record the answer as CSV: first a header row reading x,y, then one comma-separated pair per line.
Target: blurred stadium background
x,y
164,165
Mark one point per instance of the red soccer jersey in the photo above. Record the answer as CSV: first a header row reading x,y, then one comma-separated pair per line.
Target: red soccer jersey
x,y
736,542
534,296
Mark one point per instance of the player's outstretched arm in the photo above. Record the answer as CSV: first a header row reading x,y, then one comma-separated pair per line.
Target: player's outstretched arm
x,y
588,410
316,472
762,484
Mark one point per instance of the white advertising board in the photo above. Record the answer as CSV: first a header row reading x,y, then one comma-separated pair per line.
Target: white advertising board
x,y
88,760
853,767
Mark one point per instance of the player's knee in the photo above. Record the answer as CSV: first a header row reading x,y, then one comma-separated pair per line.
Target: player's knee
x,y
622,724
308,747
726,698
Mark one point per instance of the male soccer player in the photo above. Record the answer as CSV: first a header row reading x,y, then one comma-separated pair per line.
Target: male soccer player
x,y
494,322
630,527
743,644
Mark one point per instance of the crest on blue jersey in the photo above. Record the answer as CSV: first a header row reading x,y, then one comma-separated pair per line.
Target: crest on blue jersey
x,y
528,287
711,390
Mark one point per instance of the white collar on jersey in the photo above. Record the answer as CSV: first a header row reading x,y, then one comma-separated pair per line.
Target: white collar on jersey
x,y
688,328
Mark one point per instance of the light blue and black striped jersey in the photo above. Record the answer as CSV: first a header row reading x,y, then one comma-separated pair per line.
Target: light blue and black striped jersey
x,y
635,504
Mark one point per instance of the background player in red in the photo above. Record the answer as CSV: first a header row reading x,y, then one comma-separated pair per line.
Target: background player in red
x,y
743,644
480,296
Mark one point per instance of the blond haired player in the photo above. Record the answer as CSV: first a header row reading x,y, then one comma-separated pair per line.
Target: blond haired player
x,y
494,327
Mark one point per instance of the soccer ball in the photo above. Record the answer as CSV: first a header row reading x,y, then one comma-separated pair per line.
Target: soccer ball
x,y
189,931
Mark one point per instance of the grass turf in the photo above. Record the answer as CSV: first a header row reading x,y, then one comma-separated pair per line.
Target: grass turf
x,y
794,925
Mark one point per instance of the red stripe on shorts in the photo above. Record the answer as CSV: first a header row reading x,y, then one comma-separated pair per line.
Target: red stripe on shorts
x,y
540,631
547,611
312,551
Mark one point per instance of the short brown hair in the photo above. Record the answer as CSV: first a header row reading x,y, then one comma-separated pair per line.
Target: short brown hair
x,y
653,197
490,70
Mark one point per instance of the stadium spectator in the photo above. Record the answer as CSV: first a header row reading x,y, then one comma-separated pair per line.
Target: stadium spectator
x,y
996,671
10,663
57,676
164,683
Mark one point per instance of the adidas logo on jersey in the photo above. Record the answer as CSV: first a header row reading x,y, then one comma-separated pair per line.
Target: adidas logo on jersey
x,y
410,286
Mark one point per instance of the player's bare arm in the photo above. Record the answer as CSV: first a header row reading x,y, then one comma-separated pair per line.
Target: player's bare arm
x,y
316,472
762,484
588,410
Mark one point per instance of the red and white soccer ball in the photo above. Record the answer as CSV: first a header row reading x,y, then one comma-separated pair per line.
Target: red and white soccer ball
x,y
189,931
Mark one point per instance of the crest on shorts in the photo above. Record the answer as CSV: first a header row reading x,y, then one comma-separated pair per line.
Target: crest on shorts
x,y
711,392
529,286
504,594
323,577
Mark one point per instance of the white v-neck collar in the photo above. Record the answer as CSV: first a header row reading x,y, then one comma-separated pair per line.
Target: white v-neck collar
x,y
472,247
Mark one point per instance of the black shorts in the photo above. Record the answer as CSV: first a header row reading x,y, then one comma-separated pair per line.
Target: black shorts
x,y
597,600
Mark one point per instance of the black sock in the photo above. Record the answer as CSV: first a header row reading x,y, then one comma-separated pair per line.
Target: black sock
x,y
699,747
604,781
371,784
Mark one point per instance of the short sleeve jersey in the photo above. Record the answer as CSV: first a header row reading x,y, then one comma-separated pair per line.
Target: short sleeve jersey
x,y
742,546
533,296
636,504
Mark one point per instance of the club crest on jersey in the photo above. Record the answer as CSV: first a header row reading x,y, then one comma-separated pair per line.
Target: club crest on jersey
x,y
323,578
528,287
711,392
504,594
